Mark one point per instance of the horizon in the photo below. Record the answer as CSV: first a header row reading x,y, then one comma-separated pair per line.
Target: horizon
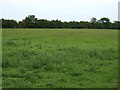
x,y
60,20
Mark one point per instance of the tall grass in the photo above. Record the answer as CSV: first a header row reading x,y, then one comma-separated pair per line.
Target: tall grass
x,y
60,59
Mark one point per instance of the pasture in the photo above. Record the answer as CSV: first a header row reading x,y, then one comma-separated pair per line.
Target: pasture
x,y
64,58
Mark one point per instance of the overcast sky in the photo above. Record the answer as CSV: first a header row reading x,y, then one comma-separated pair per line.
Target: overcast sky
x,y
65,10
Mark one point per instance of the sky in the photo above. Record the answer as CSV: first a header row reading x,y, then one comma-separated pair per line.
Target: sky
x,y
119,11
64,10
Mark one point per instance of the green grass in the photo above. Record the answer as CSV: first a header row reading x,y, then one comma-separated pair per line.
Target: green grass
x,y
60,58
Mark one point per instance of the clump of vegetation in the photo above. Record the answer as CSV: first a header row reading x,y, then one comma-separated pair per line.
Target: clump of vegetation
x,y
32,22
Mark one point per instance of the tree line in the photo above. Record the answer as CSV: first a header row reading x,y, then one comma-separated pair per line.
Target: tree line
x,y
32,22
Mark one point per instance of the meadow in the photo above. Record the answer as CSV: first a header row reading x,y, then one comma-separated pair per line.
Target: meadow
x,y
59,58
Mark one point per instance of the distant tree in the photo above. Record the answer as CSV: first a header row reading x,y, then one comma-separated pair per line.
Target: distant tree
x,y
116,25
93,20
94,23
42,23
66,25
9,23
105,20
23,24
74,24
30,21
85,24
58,23
105,23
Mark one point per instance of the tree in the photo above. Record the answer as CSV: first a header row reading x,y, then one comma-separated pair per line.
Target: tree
x,y
116,25
93,20
105,23
23,24
105,20
94,23
9,23
42,23
85,24
30,21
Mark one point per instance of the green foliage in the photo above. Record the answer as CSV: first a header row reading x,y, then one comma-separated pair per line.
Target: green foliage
x,y
9,23
60,58
32,22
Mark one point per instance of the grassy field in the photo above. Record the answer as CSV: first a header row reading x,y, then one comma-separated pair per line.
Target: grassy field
x,y
60,58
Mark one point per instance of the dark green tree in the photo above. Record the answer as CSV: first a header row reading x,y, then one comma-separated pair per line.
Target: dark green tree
x,y
30,21
105,23
116,25
94,23
9,23
93,20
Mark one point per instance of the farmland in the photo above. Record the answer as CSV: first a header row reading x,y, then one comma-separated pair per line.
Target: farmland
x,y
64,58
